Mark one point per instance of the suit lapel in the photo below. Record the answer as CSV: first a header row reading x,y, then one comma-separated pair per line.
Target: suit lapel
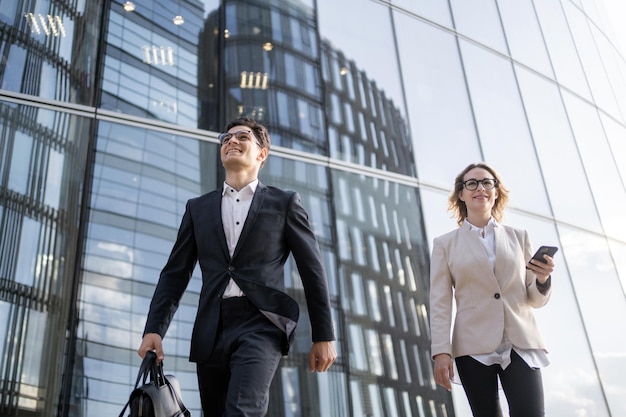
x,y
472,241
215,228
255,207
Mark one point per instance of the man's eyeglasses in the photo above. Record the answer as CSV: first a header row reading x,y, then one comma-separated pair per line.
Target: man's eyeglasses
x,y
241,135
472,184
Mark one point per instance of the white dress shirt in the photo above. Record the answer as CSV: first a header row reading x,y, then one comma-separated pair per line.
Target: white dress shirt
x,y
535,358
235,208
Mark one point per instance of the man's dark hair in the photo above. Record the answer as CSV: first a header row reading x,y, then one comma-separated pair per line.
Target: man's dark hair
x,y
260,131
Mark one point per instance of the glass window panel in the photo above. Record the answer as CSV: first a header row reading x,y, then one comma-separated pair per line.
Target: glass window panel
x,y
435,10
602,307
399,268
358,299
561,48
557,152
391,404
357,398
565,344
35,344
20,165
390,356
595,72
503,127
291,391
358,246
357,348
369,49
155,62
372,250
56,50
405,361
479,20
414,318
28,253
606,185
616,134
402,311
615,67
391,318
618,252
54,178
524,36
441,116
374,301
375,354
417,359
376,403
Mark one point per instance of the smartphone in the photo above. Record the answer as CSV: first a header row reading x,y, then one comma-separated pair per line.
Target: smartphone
x,y
544,250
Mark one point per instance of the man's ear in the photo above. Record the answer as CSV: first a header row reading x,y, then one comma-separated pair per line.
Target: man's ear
x,y
262,154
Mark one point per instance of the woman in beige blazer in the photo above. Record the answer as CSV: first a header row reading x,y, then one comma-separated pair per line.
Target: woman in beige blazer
x,y
484,266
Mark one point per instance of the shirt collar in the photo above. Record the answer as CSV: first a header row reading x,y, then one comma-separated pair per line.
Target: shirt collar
x,y
490,224
248,189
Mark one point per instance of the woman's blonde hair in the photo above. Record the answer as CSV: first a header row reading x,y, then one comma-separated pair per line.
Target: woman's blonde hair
x,y
458,207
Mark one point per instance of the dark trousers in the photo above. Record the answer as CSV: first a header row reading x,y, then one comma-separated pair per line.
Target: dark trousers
x,y
522,385
235,380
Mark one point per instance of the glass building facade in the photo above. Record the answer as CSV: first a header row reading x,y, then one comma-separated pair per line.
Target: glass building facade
x,y
109,113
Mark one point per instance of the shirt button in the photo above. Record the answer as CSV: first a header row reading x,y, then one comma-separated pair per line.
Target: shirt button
x,y
496,295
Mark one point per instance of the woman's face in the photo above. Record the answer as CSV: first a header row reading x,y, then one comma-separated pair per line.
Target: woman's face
x,y
479,201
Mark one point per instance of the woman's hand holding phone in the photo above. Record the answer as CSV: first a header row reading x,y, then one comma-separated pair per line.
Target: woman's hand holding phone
x,y
540,265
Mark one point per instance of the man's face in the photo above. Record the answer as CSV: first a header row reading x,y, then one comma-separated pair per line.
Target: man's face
x,y
240,149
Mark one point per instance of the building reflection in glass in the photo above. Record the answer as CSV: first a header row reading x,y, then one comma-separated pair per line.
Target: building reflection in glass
x,y
105,114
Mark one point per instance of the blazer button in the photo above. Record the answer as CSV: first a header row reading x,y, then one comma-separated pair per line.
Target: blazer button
x,y
231,268
496,296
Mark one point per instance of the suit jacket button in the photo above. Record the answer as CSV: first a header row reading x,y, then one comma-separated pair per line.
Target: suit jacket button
x,y
496,295
231,268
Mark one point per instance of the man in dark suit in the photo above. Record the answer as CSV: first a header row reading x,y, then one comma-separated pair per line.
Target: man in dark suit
x,y
241,235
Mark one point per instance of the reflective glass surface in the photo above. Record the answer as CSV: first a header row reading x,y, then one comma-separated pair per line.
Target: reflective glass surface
x,y
141,182
559,156
606,185
383,268
109,116
523,35
440,112
46,51
502,126
435,10
42,169
561,47
595,73
479,20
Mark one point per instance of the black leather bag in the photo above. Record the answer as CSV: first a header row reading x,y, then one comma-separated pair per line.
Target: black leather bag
x,y
159,394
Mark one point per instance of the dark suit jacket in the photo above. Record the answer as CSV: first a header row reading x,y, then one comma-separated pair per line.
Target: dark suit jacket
x,y
276,225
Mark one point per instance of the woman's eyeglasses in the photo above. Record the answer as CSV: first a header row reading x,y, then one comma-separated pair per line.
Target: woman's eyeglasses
x,y
472,184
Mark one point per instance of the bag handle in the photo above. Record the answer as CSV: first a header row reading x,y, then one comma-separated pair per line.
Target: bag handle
x,y
149,368
158,377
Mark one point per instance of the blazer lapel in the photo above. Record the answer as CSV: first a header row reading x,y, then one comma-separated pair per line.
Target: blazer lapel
x,y
472,241
255,207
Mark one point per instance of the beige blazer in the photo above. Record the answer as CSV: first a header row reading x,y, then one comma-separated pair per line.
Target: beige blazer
x,y
488,303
